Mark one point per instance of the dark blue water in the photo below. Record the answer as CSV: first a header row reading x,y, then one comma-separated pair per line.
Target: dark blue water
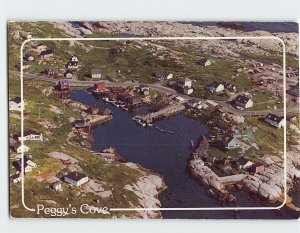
x,y
167,155
254,26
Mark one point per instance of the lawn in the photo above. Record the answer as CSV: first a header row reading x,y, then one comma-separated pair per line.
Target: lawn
x,y
263,100
266,135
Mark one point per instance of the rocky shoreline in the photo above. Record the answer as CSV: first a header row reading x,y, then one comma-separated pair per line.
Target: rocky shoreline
x,y
268,186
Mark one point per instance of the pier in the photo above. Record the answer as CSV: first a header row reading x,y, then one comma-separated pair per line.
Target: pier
x,y
165,112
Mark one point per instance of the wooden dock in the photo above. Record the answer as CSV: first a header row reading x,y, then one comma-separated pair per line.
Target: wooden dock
x,y
165,112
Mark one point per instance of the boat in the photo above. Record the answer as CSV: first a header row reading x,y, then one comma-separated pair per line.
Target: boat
x,y
192,143
164,131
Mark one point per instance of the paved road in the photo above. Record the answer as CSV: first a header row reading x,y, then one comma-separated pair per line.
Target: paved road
x,y
293,107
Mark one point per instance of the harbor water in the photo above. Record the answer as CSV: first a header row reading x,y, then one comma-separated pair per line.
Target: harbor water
x,y
167,154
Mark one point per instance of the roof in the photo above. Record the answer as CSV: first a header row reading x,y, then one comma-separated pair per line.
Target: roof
x,y
29,132
228,139
16,100
75,176
64,82
18,144
73,63
242,99
274,117
27,56
45,52
203,61
242,160
15,176
18,164
215,84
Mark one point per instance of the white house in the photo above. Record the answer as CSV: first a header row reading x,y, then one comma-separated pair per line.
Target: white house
x,y
68,74
46,53
243,101
72,65
31,135
185,82
76,178
205,62
16,178
274,120
230,142
29,165
243,163
29,58
169,76
74,59
57,186
16,104
20,148
215,87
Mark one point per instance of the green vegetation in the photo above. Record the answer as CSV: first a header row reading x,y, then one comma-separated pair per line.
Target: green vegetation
x,y
273,58
263,100
265,136
242,82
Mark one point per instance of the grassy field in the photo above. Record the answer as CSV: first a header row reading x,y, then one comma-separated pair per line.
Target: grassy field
x,y
274,58
265,136
263,100
113,176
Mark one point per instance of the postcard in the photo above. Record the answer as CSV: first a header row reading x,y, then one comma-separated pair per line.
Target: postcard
x,y
151,120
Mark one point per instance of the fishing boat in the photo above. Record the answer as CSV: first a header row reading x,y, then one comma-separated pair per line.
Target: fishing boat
x,y
192,143
164,131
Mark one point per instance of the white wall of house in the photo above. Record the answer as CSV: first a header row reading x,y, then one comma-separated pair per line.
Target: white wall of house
x,y
170,76
33,137
13,106
96,75
232,144
188,91
249,104
275,123
220,88
188,83
27,169
76,183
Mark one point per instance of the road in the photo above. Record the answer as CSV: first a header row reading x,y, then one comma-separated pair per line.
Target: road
x,y
292,107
